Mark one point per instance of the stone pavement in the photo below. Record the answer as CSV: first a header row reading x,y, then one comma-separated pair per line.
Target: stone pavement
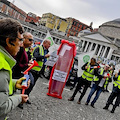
x,y
44,107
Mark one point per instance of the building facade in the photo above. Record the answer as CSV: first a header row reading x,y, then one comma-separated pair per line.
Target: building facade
x,y
11,10
75,26
102,46
48,20
60,25
32,18
54,22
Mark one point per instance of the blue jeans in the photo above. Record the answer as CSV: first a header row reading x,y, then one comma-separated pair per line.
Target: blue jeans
x,y
93,89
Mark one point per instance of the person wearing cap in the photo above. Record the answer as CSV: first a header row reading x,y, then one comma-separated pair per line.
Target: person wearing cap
x,y
98,85
115,94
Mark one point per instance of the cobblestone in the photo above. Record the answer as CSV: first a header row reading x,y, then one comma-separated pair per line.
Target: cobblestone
x,y
44,107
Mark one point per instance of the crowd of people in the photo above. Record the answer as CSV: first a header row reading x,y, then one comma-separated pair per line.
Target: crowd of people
x,y
17,54
98,78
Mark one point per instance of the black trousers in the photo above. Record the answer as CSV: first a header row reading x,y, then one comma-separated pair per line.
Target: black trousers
x,y
115,94
81,82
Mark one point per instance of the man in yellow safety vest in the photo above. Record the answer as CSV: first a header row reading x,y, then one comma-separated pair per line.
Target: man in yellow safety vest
x,y
115,93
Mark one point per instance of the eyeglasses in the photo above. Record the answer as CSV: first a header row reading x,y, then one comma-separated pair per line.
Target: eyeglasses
x,y
29,39
21,39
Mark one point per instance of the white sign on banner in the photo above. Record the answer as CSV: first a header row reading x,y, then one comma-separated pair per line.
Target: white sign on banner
x,y
59,75
52,59
82,59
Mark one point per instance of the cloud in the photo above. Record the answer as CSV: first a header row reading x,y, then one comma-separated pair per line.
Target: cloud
x,y
86,11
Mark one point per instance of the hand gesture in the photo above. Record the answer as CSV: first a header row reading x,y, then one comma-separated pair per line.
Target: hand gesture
x,y
116,74
106,76
86,67
19,82
24,98
47,55
95,67
29,64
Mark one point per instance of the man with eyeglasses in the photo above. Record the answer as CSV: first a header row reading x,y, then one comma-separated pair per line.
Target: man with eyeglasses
x,y
10,41
23,63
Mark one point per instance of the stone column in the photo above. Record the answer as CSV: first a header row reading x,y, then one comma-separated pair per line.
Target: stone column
x,y
86,46
96,47
109,53
99,50
104,52
91,47
83,45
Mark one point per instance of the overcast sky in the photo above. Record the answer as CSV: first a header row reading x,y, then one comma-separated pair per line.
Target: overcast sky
x,y
86,11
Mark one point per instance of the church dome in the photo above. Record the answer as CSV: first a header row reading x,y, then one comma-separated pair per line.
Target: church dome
x,y
111,29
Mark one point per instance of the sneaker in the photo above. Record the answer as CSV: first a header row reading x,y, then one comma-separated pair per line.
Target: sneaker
x,y
78,102
106,91
71,99
86,103
113,109
71,88
28,102
92,106
80,91
20,106
105,108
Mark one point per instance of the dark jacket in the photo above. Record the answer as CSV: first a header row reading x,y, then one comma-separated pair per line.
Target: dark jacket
x,y
21,65
37,55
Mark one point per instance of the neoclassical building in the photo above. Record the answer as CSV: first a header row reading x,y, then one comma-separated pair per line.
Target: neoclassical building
x,y
101,44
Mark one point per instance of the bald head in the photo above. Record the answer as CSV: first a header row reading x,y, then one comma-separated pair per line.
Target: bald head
x,y
28,39
46,43
26,34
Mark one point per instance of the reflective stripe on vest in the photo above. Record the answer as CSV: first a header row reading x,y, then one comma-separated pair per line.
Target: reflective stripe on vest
x,y
101,73
117,83
6,66
88,74
41,51
106,82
